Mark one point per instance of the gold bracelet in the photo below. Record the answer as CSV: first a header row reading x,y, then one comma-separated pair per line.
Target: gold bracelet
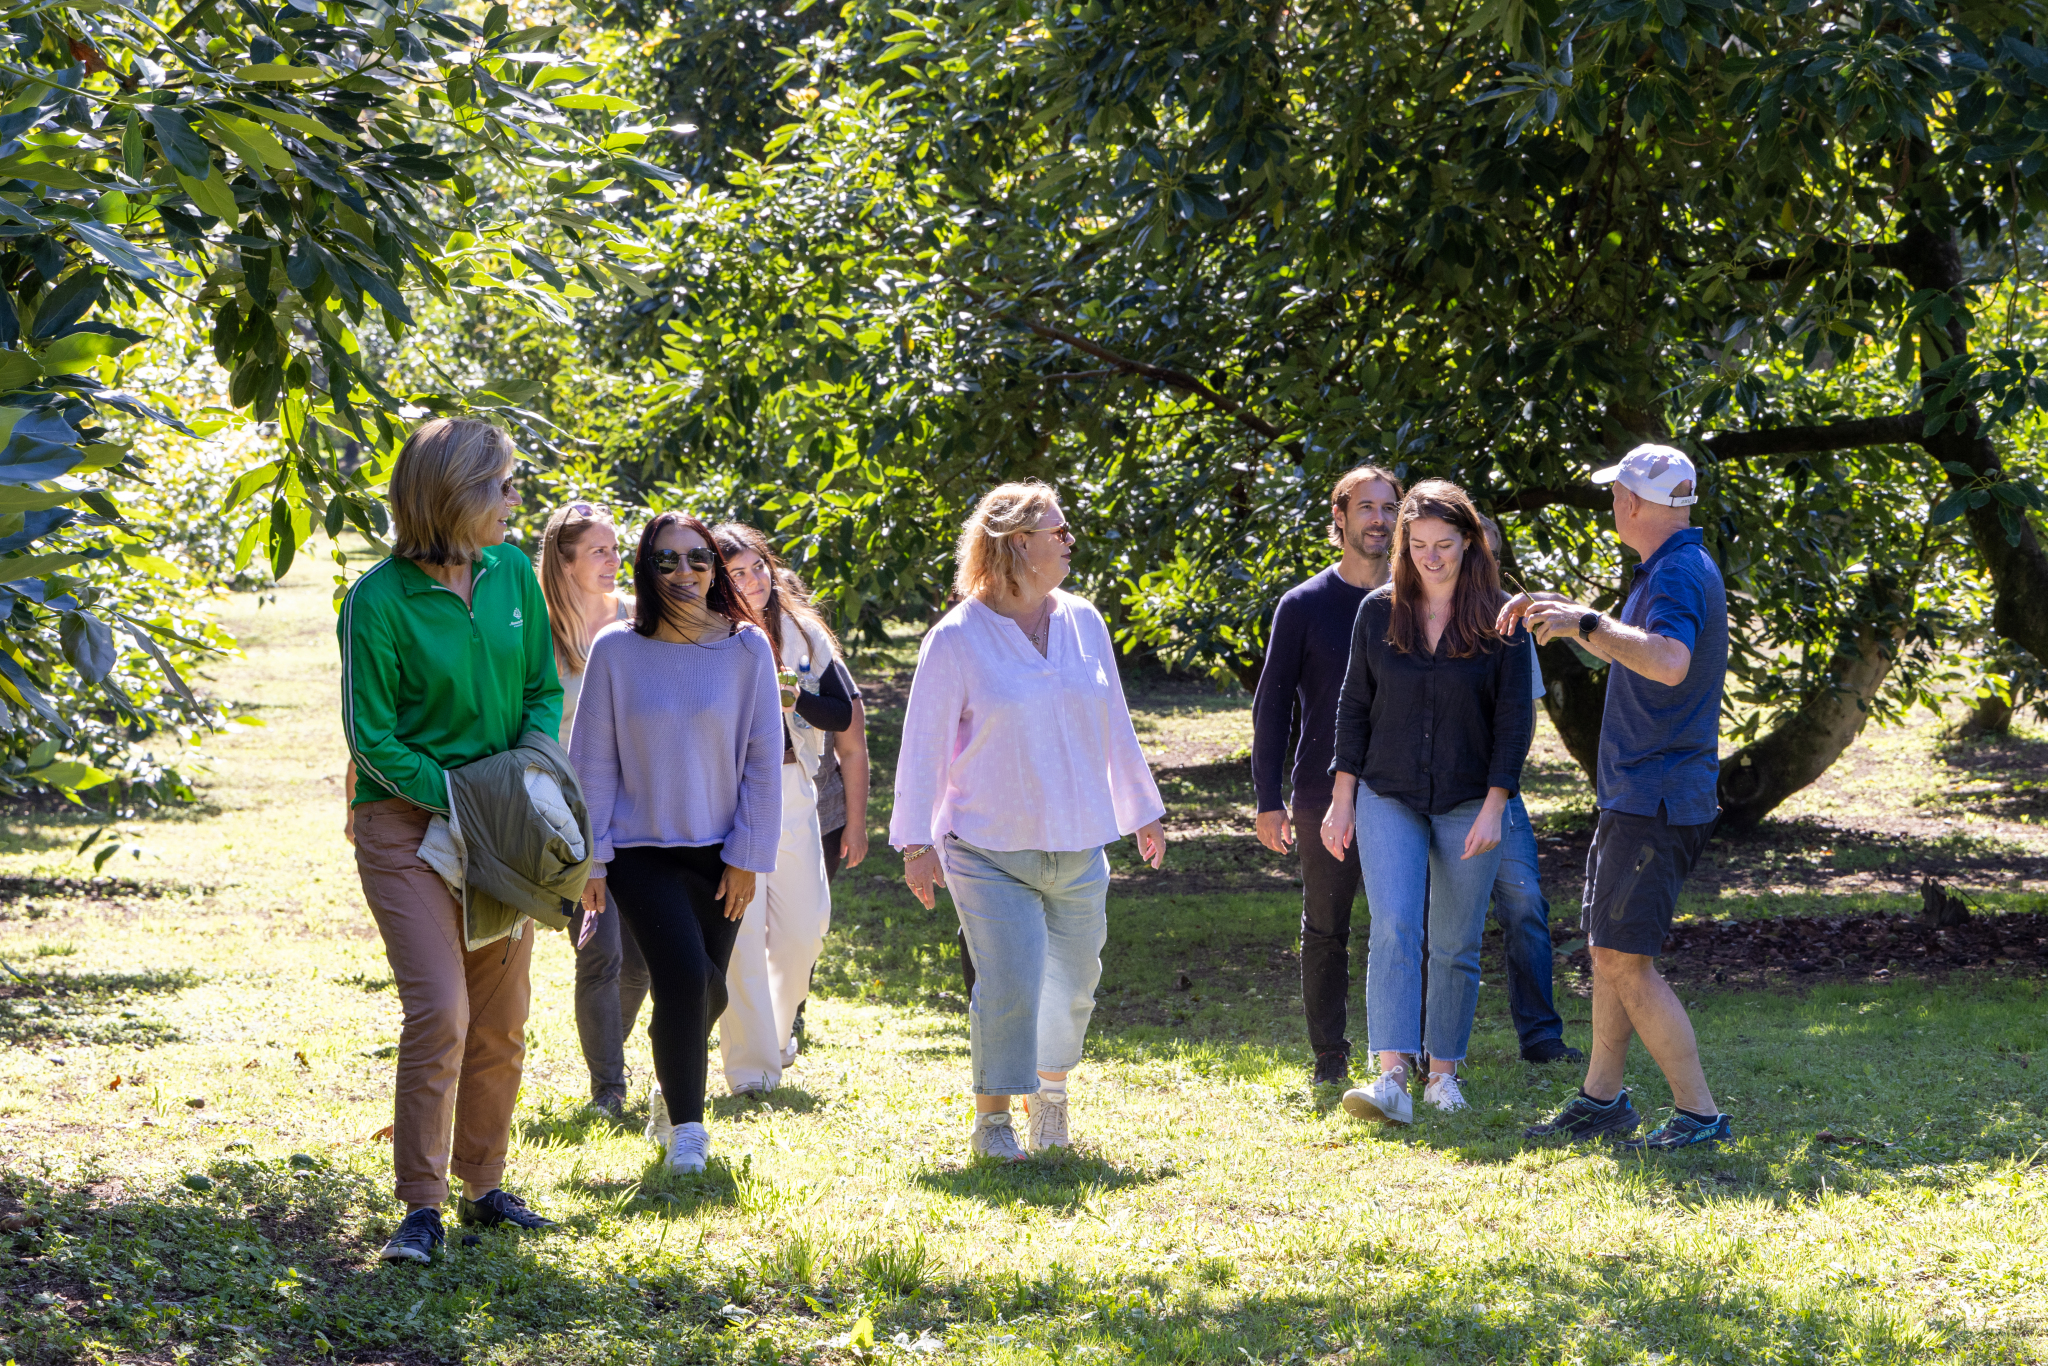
x,y
911,851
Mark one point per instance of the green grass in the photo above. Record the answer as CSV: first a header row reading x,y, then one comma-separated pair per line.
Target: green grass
x,y
192,1081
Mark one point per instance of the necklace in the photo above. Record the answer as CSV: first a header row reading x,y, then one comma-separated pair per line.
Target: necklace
x,y
1040,637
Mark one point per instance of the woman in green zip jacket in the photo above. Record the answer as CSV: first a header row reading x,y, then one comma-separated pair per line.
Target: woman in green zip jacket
x,y
445,659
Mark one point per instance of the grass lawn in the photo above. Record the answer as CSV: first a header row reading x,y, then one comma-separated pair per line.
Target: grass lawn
x,y
198,1063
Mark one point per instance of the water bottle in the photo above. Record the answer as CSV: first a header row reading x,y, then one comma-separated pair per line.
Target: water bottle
x,y
803,684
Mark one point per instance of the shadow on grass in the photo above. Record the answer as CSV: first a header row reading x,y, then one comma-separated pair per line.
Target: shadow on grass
x,y
86,1007
786,1099
1065,1181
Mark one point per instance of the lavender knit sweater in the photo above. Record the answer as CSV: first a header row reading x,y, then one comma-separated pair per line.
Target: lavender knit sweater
x,y
681,745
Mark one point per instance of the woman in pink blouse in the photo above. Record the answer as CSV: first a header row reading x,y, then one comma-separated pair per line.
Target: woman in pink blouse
x,y
1018,765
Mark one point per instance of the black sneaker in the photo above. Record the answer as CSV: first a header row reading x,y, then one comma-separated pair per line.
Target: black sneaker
x,y
1551,1050
1582,1119
416,1238
500,1207
1333,1068
611,1106
1683,1131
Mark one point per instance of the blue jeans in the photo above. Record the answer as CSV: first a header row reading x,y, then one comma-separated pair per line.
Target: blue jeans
x,y
1035,924
1524,918
1415,877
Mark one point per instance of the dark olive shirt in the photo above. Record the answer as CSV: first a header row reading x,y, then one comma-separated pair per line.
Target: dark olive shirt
x,y
1427,730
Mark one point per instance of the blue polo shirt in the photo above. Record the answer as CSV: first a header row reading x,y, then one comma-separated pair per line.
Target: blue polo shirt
x,y
1659,744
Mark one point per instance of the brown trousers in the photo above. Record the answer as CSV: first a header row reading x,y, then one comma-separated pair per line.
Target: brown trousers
x,y
463,1043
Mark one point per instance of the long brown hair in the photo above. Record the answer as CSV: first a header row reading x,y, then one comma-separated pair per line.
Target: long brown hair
x,y
564,533
650,599
787,595
1476,597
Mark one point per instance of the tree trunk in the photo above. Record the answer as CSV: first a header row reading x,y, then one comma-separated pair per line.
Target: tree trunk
x,y
1796,751
1991,716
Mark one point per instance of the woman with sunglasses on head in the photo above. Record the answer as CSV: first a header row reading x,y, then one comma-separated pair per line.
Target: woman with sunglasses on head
x,y
1019,763
1433,723
579,573
444,661
678,746
771,964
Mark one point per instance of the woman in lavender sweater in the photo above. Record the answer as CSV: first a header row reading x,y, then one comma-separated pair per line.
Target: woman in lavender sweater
x,y
678,746
1019,764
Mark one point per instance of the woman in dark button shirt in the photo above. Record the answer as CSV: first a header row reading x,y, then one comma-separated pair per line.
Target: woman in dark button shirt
x,y
1433,723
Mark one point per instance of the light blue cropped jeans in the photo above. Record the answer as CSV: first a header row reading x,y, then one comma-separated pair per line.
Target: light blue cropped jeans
x,y
1035,924
1413,869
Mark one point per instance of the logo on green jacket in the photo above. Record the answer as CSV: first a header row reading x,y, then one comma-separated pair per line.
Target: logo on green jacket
x,y
517,620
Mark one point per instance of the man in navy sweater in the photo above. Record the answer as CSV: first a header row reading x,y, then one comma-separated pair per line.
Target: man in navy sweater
x,y
1306,654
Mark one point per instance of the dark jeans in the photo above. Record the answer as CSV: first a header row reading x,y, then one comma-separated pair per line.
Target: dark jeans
x,y
611,982
831,839
1327,890
669,900
1328,887
1524,918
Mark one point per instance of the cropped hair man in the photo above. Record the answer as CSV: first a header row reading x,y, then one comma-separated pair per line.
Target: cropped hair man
x,y
1656,778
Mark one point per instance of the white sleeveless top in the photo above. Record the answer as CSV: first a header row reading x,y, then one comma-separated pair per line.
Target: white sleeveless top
x,y
572,683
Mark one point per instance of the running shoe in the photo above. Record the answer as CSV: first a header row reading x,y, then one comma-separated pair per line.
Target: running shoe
x,y
1442,1092
416,1238
1683,1131
500,1207
1583,1118
1386,1099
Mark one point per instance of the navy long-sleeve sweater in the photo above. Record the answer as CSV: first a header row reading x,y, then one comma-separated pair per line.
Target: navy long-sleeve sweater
x,y
1306,654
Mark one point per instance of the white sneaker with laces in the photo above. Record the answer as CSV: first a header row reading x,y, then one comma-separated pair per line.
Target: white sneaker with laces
x,y
658,1129
1385,1099
789,1052
1442,1092
995,1137
689,1147
1045,1123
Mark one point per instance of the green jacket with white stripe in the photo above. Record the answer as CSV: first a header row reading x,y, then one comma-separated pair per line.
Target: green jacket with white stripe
x,y
428,684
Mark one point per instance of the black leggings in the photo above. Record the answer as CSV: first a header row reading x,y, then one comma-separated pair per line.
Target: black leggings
x,y
669,899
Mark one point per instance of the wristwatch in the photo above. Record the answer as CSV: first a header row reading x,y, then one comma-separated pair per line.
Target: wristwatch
x,y
1588,624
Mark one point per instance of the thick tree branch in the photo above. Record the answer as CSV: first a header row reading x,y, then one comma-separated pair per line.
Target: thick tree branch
x,y
1898,429
1173,379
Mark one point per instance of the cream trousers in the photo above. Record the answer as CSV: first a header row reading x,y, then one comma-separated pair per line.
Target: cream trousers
x,y
779,940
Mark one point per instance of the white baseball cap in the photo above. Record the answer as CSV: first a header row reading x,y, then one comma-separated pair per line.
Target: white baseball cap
x,y
1652,473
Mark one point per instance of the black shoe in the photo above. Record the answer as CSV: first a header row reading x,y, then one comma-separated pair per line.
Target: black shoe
x,y
1552,1050
1683,1131
610,1106
1582,1119
416,1238
1333,1068
500,1207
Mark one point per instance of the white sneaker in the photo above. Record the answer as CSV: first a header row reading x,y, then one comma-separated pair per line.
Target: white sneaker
x,y
688,1148
1442,1092
994,1137
789,1052
1045,1123
1384,1099
658,1129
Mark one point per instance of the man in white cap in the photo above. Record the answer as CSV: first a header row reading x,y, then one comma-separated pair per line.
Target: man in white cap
x,y
1658,767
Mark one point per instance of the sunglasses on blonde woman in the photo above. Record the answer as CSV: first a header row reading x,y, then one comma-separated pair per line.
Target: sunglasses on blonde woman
x,y
669,561
1063,532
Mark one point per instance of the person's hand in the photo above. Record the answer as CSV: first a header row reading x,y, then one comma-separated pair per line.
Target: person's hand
x,y
1518,606
1152,843
923,873
1555,620
853,845
1276,831
593,907
348,825
736,890
1337,828
786,690
1484,835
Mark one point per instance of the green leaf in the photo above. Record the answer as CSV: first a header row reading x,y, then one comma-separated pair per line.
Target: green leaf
x,y
610,104
184,149
211,194
81,351
44,173
13,567
18,369
71,775
89,644
250,481
278,71
252,142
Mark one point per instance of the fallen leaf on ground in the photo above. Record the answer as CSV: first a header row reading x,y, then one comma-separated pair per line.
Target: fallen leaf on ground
x,y
301,1056
382,1134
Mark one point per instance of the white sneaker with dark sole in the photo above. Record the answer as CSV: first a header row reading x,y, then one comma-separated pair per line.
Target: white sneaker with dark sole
x,y
1385,1099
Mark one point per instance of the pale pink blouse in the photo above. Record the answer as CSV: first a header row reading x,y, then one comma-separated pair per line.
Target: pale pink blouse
x,y
1012,751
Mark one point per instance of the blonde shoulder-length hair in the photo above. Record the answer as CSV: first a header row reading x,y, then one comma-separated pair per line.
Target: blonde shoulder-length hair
x,y
990,552
445,480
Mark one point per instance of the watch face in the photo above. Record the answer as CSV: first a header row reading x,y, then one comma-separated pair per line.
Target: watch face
x,y
1589,623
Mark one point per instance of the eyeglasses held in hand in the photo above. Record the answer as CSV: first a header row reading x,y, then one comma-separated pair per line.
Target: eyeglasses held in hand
x,y
669,561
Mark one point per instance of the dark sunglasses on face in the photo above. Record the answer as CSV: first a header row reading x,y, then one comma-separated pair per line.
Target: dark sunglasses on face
x,y
1062,532
669,561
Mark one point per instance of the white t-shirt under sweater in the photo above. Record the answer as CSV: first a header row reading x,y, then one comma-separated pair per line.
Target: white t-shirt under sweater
x,y
1010,750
